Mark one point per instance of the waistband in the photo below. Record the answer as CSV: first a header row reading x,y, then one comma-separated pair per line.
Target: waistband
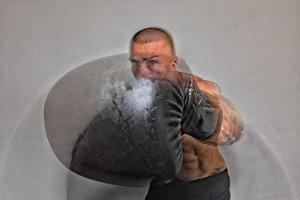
x,y
208,178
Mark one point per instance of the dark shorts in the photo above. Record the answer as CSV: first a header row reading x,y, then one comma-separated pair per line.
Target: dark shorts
x,y
214,187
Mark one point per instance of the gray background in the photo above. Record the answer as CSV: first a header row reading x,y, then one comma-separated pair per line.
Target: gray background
x,y
250,48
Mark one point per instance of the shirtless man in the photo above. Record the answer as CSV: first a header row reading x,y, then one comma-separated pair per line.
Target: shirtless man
x,y
204,174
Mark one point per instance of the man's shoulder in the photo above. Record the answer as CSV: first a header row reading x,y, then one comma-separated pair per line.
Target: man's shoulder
x,y
187,75
202,83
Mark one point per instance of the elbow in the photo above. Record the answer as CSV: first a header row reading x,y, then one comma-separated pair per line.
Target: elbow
x,y
230,135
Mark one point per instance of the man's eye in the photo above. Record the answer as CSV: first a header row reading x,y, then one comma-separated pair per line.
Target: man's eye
x,y
134,63
151,63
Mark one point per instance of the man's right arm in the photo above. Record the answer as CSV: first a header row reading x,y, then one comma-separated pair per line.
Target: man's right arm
x,y
232,125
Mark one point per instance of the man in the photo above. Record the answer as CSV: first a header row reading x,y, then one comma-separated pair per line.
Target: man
x,y
204,174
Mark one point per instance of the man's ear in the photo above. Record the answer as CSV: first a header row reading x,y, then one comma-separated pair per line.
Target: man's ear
x,y
174,62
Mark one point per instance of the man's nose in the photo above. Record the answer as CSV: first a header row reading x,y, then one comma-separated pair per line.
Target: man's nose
x,y
141,70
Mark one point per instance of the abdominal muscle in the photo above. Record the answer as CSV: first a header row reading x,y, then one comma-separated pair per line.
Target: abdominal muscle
x,y
200,159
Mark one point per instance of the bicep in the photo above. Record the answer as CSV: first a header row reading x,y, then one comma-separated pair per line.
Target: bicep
x,y
232,123
209,87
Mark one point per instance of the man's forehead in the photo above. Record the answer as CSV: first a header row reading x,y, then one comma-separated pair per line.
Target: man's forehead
x,y
148,56
150,49
152,44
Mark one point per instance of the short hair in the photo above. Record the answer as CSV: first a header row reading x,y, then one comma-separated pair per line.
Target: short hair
x,y
151,34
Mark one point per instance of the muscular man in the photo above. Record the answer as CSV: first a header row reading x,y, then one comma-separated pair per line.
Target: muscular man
x,y
203,174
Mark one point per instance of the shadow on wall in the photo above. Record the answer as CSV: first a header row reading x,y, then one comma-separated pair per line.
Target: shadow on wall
x,y
255,172
31,170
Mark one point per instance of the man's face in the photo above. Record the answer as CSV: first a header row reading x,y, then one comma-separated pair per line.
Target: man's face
x,y
152,60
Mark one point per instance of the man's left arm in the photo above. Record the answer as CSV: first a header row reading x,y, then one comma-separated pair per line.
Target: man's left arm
x,y
232,125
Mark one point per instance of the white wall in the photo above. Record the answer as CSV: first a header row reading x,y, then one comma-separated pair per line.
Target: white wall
x,y
251,48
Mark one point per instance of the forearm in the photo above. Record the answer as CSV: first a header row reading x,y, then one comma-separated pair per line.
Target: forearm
x,y
232,124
